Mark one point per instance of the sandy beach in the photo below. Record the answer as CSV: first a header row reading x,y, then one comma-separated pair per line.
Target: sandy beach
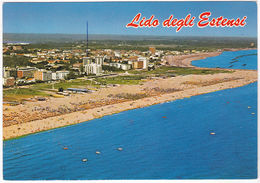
x,y
185,60
33,117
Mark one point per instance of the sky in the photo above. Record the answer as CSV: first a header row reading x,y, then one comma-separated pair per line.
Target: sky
x,y
112,17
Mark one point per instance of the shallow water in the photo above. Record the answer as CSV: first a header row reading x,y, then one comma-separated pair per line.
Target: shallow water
x,y
164,141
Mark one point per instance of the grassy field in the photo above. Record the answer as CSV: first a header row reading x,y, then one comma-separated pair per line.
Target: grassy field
x,y
20,94
63,84
41,89
127,80
136,77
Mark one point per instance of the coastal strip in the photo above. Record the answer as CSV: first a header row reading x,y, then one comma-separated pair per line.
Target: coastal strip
x,y
186,60
195,85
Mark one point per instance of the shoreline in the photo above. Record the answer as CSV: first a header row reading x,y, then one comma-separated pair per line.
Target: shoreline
x,y
22,129
147,105
193,85
186,60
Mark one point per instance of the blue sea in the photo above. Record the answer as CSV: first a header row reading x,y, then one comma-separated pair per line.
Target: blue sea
x,y
172,140
244,59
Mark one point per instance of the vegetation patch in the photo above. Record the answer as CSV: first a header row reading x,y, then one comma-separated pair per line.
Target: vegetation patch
x,y
129,96
19,94
130,80
163,90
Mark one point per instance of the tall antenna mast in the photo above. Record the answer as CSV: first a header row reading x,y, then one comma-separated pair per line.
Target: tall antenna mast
x,y
87,38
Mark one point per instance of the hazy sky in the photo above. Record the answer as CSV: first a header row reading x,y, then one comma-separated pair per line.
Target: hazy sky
x,y
112,17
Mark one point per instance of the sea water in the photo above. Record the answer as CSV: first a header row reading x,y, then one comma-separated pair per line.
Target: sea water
x,y
243,59
210,136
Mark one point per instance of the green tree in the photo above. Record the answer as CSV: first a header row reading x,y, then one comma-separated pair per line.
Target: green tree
x,y
71,75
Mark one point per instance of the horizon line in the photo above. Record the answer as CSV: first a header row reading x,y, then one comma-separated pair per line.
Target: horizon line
x,y
137,35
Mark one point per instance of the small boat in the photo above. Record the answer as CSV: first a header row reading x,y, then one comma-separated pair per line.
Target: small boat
x,y
84,160
212,133
65,148
120,149
98,152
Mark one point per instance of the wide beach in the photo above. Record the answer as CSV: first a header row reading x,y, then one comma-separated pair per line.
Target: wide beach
x,y
33,117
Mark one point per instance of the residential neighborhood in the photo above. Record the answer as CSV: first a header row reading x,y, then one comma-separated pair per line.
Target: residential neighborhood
x,y
58,64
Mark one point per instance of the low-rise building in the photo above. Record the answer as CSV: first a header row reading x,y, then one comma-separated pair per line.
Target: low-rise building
x,y
43,75
121,66
62,74
186,51
17,48
117,54
152,50
54,76
114,64
138,64
144,60
6,72
27,72
9,81
125,67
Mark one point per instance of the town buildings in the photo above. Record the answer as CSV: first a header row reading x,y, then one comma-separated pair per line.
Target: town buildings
x,y
57,64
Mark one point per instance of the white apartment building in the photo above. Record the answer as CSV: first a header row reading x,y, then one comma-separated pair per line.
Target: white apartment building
x,y
144,60
93,67
61,74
